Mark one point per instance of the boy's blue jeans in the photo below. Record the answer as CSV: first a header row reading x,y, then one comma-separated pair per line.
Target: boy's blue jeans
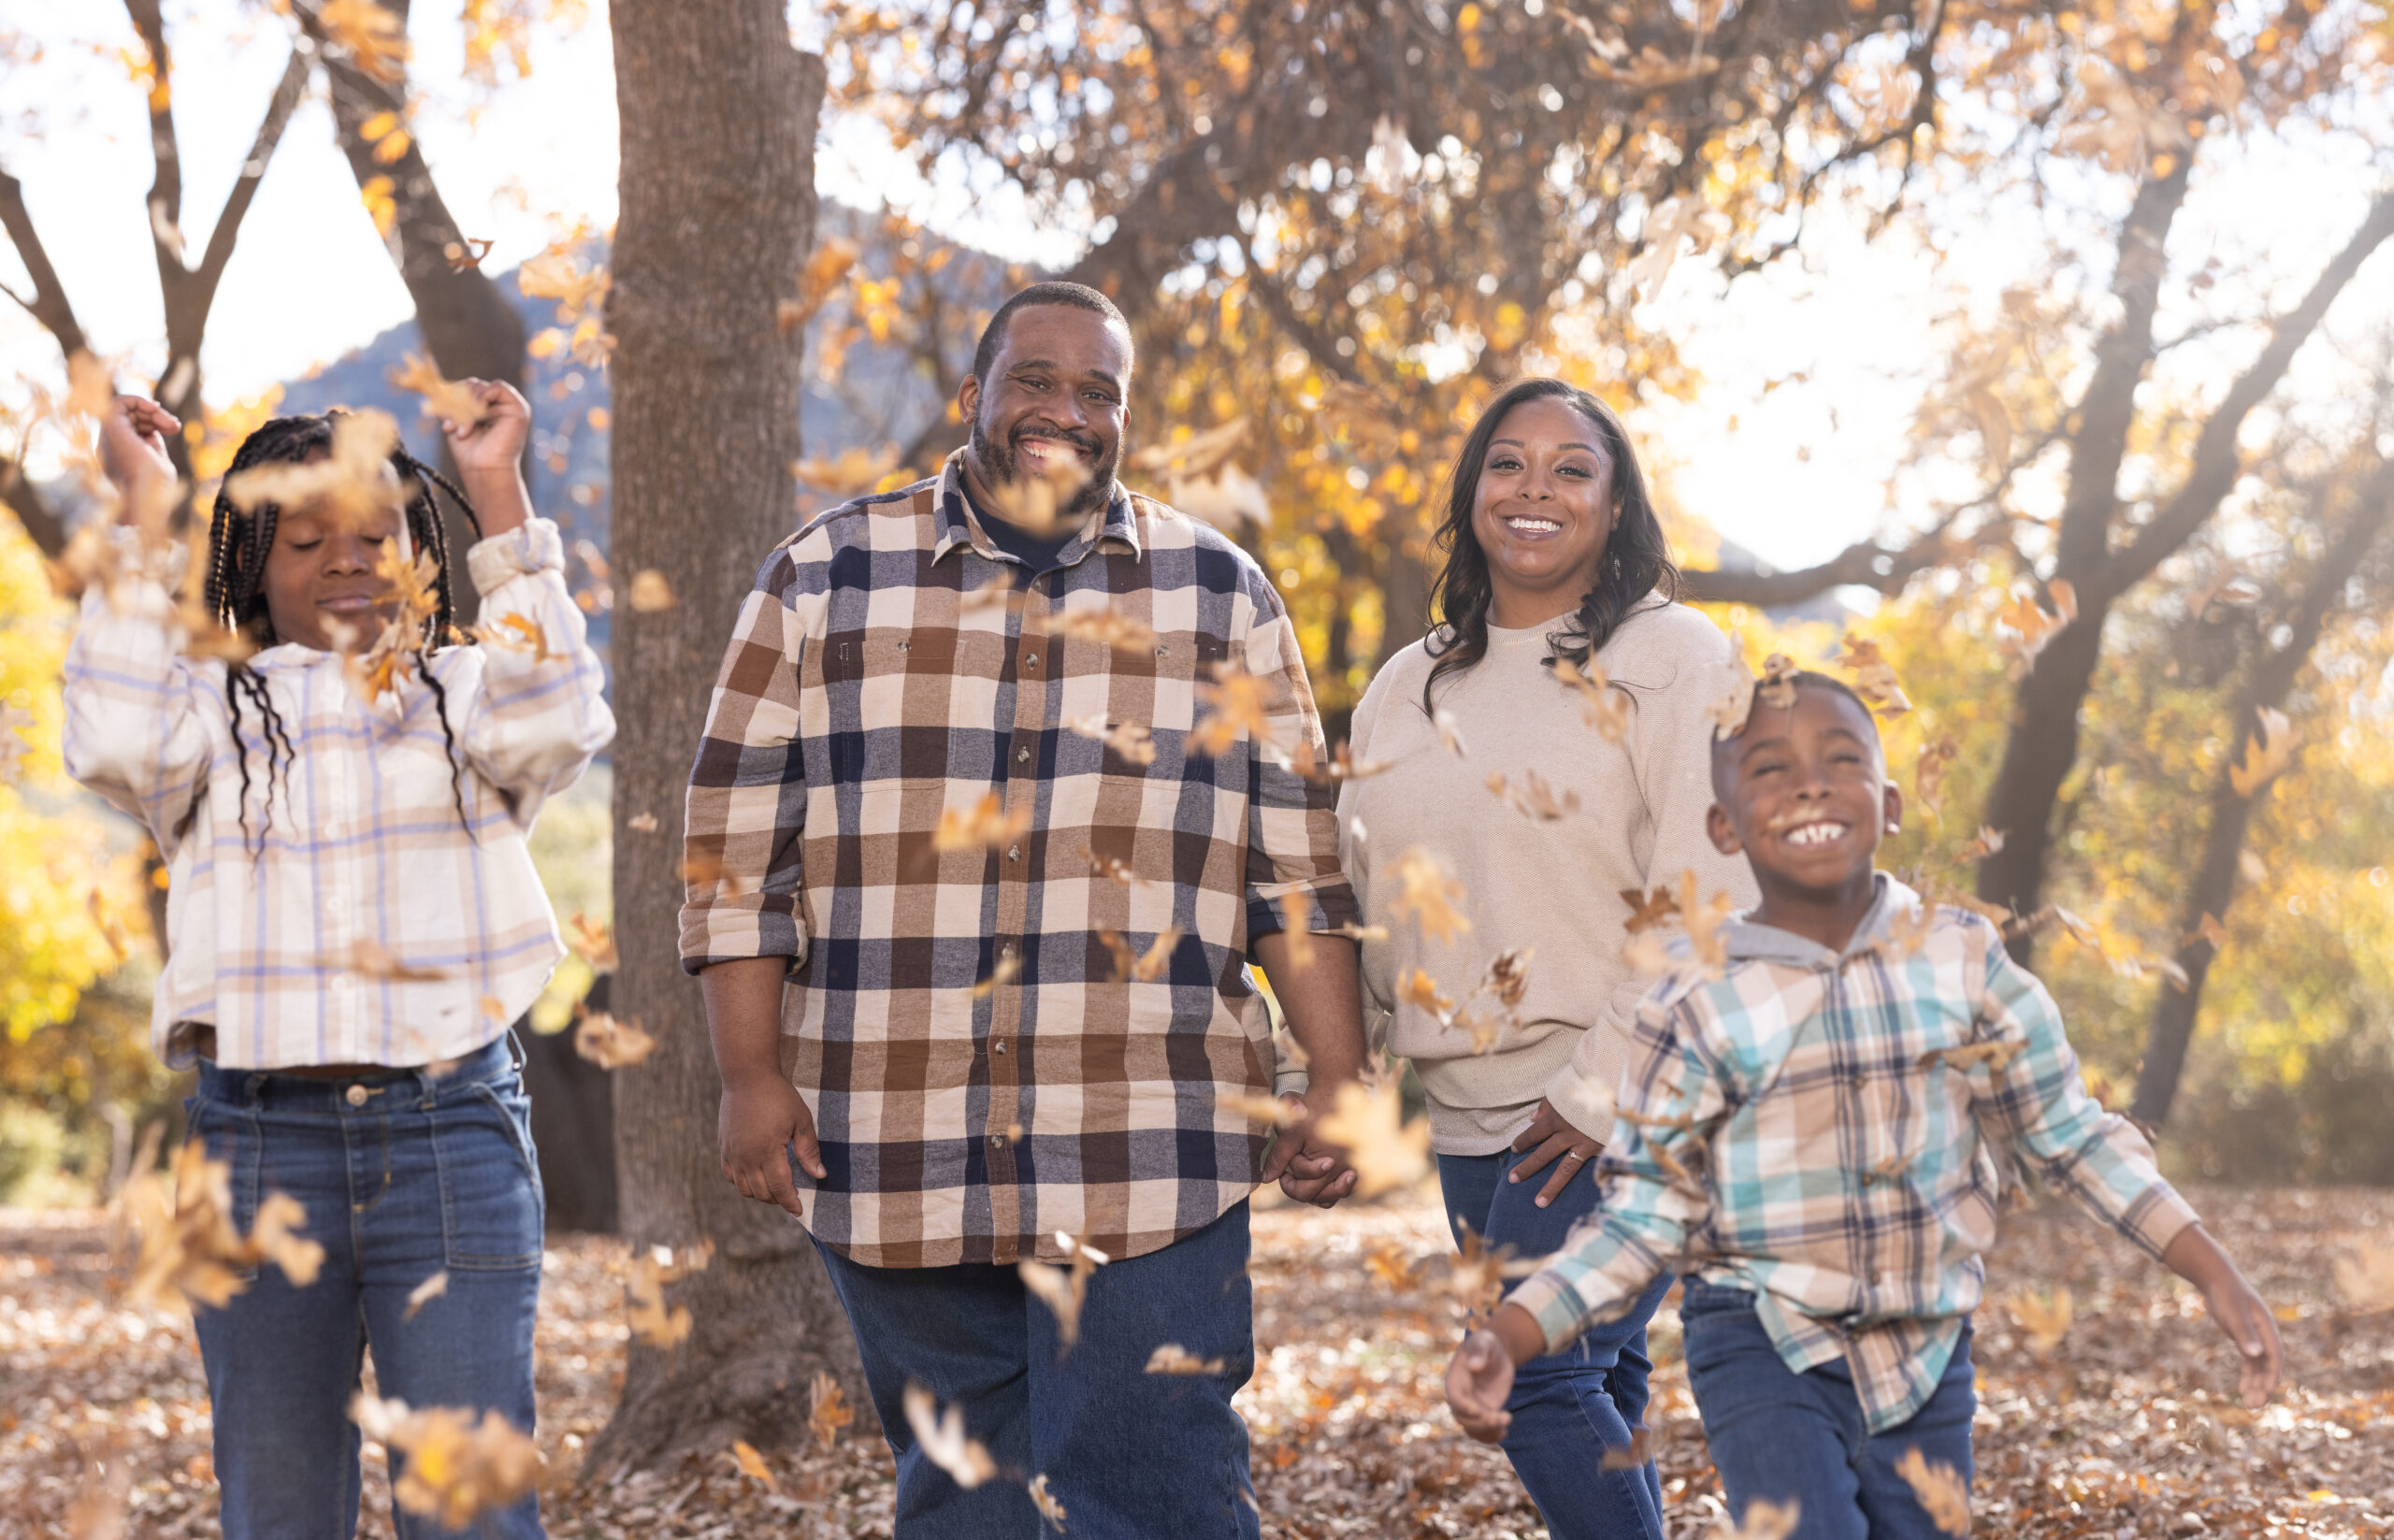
x,y
403,1175
1569,1407
1779,1434
1131,1455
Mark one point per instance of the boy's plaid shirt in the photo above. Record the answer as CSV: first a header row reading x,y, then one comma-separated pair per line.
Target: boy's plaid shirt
x,y
1814,1126
875,680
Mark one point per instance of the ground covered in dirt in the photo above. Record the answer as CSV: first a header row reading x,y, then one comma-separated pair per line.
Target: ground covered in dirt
x,y
2127,1428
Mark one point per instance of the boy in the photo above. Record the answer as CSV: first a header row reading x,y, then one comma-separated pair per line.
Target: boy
x,y
1807,1138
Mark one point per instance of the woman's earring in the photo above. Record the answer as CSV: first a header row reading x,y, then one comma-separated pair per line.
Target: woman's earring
x,y
1894,827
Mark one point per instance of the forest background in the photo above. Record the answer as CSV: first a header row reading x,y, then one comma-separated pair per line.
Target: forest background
x,y
2047,349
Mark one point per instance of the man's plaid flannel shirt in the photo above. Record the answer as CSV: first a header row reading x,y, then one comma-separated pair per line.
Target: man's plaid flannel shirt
x,y
982,1075
1814,1126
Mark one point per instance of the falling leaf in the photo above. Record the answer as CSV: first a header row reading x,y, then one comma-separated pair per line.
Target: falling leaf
x,y
1114,869
2268,754
594,940
1874,677
642,823
2210,932
1764,1520
1602,707
1418,988
1269,1111
2045,1317
1909,928
1237,704
1360,932
751,1463
1509,976
515,633
2366,1279
375,39
702,867
1196,455
1038,502
467,254
1533,798
425,1294
826,1409
444,398
558,275
1343,766
1050,1507
1649,907
1173,1359
1730,712
456,1469
999,591
1008,968
1384,1150
2035,625
853,471
1106,626
1928,773
1449,732
1777,686
1135,742
1994,1054
189,1245
373,960
1940,1489
940,1434
985,826
349,486
1427,896
1131,965
1478,1272
1635,1455
610,1043
1704,921
644,1281
1390,1261
650,592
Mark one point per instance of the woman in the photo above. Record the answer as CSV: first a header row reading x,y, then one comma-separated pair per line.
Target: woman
x,y
1554,805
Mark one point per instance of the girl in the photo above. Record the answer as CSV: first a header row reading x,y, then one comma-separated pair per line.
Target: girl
x,y
1574,797
352,918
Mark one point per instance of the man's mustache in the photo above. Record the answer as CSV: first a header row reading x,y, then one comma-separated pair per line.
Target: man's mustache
x,y
1082,441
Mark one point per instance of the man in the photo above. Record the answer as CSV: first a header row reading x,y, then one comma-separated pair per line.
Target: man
x,y
997,779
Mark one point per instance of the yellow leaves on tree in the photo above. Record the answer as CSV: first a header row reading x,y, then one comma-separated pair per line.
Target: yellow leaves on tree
x,y
825,269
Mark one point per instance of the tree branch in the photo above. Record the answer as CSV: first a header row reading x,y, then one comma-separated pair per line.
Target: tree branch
x,y
1863,565
49,305
33,511
237,204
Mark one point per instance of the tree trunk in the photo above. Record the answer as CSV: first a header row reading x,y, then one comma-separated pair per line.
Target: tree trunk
x,y
2175,1015
467,323
718,116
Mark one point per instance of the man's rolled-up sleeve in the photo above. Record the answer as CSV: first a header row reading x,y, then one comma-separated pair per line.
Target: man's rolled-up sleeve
x,y
1293,823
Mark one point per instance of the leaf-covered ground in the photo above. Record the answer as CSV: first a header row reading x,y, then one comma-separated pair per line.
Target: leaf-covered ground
x,y
2126,1430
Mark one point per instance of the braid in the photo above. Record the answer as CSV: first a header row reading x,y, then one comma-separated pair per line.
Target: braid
x,y
430,532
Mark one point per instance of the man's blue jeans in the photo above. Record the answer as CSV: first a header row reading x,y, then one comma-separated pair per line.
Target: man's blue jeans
x,y
1779,1434
403,1175
1131,1455
1569,1408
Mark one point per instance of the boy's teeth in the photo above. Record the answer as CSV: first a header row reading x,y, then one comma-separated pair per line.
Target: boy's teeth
x,y
1814,834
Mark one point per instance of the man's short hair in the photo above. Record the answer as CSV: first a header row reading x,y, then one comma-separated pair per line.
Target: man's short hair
x,y
1080,296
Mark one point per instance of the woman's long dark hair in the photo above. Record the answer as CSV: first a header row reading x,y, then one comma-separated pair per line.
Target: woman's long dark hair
x,y
238,545
1636,561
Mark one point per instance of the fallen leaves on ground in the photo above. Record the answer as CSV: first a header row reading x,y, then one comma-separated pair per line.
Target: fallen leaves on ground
x,y
2132,1430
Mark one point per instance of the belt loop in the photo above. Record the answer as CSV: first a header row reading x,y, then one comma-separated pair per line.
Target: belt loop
x,y
515,1050
252,1086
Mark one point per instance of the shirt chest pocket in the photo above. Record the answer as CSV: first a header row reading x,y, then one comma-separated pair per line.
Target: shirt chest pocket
x,y
910,709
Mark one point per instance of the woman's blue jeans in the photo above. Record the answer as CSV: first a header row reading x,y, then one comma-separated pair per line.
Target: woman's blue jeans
x,y
403,1175
1131,1456
1569,1408
1781,1435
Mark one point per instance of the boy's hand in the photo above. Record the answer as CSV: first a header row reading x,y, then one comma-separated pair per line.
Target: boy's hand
x,y
1309,1167
133,444
763,1121
2240,1313
1478,1380
495,442
1548,1138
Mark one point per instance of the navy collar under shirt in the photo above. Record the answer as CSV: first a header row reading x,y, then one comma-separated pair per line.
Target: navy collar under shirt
x,y
1038,553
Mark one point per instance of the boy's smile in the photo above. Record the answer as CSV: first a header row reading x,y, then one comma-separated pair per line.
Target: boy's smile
x,y
1803,792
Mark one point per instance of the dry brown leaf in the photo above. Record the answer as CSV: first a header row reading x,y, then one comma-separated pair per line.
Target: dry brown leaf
x,y
1135,742
1874,677
1649,908
1449,732
1729,712
349,486
1200,454
373,960
744,1454
1764,1520
703,867
1994,1055
1007,969
1427,896
1387,1261
1631,1456
1296,924
2034,626
1050,1507
642,823
2045,1317
2209,932
1039,503
645,1276
1602,707
1777,686
456,1469
2268,754
1106,626
649,592
425,1294
940,1434
1939,1488
1270,1110
1509,976
557,274
1173,1359
1113,870
1144,968
594,940
1061,1289
985,826
447,399
190,1249
826,1409
516,634
610,1043
1534,797
1384,1150
2366,1278
1937,758
1236,704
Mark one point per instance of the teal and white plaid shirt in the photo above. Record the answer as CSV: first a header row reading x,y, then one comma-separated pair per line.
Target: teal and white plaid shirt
x,y
1814,1126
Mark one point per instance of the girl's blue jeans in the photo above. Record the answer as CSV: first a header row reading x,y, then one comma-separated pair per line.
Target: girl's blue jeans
x,y
403,1175
1781,1435
1569,1408
1131,1456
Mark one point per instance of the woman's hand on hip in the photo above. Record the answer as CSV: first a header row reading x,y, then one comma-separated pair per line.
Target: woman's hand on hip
x,y
1550,1141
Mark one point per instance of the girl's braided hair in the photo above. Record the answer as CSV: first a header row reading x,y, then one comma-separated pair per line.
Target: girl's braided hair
x,y
238,545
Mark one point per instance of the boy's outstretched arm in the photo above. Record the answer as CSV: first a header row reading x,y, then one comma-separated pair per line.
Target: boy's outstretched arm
x,y
2240,1310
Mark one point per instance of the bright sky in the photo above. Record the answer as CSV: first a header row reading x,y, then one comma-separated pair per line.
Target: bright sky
x,y
1794,472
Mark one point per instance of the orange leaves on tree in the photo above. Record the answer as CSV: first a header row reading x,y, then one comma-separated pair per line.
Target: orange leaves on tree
x,y
379,193
824,271
853,471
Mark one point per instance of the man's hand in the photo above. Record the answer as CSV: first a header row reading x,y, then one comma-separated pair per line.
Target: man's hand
x,y
489,454
2240,1312
1309,1167
762,1122
1550,1139
132,445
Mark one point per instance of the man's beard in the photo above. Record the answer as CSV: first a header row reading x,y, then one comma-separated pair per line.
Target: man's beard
x,y
1003,465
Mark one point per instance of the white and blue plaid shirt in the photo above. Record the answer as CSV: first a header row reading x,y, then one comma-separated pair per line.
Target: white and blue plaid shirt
x,y
1814,1126
356,838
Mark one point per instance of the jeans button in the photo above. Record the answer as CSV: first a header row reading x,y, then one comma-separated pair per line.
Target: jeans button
x,y
357,1096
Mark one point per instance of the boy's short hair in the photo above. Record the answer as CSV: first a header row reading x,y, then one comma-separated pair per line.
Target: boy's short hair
x,y
1724,770
1079,297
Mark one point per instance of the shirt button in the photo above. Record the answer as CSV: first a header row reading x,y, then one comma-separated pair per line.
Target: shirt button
x,y
1014,852
997,1140
998,1048
1033,661
1022,755
355,1096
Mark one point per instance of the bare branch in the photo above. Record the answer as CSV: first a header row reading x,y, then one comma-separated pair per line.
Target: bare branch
x,y
262,147
33,511
49,305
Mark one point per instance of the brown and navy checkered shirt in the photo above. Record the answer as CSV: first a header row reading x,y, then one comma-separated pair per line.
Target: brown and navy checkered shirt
x,y
981,1072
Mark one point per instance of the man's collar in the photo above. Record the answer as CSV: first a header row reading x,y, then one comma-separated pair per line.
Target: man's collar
x,y
956,524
